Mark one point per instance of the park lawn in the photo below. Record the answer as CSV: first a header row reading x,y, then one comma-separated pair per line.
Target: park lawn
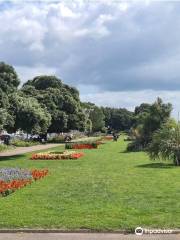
x,y
107,189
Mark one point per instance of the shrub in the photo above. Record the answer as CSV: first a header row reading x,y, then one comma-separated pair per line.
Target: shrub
x,y
69,146
84,145
12,179
134,146
23,143
57,155
165,144
3,147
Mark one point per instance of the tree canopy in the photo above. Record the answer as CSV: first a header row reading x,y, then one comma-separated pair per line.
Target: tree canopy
x,y
165,143
118,119
148,119
28,115
46,104
62,102
9,80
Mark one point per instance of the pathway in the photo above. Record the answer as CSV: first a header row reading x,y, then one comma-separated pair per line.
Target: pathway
x,y
23,150
84,236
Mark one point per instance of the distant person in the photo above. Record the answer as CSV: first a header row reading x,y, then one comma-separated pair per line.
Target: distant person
x,y
115,136
6,139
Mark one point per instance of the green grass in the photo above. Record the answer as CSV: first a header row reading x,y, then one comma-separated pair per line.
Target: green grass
x,y
107,189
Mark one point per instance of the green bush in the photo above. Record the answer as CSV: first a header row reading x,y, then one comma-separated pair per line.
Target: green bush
x,y
69,146
23,143
134,146
165,143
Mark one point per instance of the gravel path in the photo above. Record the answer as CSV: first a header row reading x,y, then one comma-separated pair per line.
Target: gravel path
x,y
23,150
84,236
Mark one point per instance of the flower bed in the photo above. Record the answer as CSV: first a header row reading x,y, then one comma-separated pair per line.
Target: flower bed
x,y
57,155
12,179
81,145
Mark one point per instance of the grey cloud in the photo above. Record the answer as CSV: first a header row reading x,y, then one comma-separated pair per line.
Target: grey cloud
x,y
96,44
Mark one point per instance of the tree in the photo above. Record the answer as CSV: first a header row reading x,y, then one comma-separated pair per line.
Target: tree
x,y
59,122
6,120
119,119
4,101
165,143
43,82
158,113
87,108
88,126
29,115
77,121
61,101
144,107
97,118
148,121
9,80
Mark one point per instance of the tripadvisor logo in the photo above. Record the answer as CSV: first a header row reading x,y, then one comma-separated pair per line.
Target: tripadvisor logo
x,y
141,231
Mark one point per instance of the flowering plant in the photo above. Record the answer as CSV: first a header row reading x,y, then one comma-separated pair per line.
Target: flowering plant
x,y
12,179
81,145
57,155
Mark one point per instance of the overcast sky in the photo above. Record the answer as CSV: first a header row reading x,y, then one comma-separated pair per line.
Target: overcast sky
x,y
117,53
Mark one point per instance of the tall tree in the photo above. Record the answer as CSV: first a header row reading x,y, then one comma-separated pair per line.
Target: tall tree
x,y
9,80
148,120
119,119
29,115
61,101
97,118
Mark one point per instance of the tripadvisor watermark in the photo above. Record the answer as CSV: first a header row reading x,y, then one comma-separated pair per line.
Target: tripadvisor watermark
x,y
140,231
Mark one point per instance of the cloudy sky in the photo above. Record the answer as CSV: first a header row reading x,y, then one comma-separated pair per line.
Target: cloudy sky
x,y
117,53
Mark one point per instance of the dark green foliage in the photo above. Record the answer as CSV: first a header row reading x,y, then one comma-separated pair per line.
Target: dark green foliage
x,y
165,143
44,82
144,107
148,119
28,115
6,119
68,146
97,118
119,119
134,146
9,80
90,143
4,102
61,101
